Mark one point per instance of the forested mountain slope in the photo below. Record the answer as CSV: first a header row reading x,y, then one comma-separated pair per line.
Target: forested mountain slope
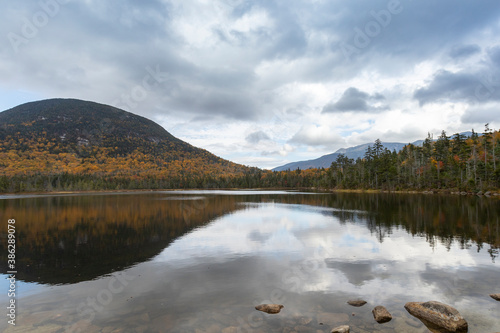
x,y
53,140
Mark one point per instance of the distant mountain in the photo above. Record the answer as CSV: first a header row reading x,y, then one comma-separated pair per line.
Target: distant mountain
x,y
69,136
353,152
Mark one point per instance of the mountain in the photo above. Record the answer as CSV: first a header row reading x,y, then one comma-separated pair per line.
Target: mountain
x,y
353,152
73,137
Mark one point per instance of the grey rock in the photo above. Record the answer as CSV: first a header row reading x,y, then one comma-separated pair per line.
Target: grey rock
x,y
269,308
341,329
381,314
356,302
436,314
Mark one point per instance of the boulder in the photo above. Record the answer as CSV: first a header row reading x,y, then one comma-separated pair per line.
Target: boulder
x,y
496,297
341,329
356,302
381,314
269,308
437,314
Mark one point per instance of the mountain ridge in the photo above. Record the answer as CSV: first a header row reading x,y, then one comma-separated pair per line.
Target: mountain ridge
x,y
57,137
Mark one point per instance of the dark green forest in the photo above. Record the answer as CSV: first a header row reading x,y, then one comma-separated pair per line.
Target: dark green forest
x,y
457,163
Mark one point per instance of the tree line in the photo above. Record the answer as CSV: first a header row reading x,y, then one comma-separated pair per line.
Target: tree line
x,y
450,162
458,162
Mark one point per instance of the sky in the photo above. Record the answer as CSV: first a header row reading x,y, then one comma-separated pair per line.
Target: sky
x,y
265,82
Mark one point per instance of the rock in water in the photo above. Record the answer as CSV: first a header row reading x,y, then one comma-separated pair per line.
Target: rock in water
x,y
341,329
438,314
496,297
381,314
356,302
269,308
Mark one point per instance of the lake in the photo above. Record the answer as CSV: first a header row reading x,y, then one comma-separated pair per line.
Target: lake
x,y
200,261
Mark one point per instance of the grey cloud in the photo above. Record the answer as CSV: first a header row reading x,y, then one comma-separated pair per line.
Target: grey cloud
x,y
464,51
355,100
449,86
494,55
421,30
270,153
481,116
477,87
212,102
256,137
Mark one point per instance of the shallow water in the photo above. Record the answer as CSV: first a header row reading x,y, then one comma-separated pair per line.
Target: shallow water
x,y
199,261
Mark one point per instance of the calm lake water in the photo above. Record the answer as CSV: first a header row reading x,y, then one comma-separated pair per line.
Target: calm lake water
x,y
199,261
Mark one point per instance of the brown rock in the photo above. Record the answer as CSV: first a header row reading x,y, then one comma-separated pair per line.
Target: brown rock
x,y
496,297
356,302
341,329
381,314
269,308
437,314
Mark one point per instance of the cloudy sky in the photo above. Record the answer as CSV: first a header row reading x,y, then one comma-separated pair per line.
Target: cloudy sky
x,y
263,82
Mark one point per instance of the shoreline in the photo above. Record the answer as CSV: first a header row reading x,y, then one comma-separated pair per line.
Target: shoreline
x,y
488,194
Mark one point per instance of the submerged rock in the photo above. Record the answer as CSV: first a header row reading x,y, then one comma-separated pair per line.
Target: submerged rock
x,y
356,302
269,308
437,314
496,297
381,314
341,329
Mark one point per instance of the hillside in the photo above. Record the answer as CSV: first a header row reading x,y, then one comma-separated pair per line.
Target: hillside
x,y
58,138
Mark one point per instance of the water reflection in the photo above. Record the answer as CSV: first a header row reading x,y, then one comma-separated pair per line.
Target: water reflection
x,y
67,239
202,260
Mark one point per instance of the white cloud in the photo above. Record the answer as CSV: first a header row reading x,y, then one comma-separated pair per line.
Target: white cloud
x,y
316,135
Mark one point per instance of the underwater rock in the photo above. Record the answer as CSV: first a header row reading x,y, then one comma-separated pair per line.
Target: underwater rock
x,y
341,329
269,308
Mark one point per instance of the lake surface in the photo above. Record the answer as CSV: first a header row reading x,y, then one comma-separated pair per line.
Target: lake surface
x,y
200,261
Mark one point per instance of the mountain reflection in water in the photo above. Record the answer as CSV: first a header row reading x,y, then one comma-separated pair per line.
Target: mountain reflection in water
x,y
67,239
199,261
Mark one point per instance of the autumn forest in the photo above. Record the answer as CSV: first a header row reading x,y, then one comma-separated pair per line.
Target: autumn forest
x,y
68,145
